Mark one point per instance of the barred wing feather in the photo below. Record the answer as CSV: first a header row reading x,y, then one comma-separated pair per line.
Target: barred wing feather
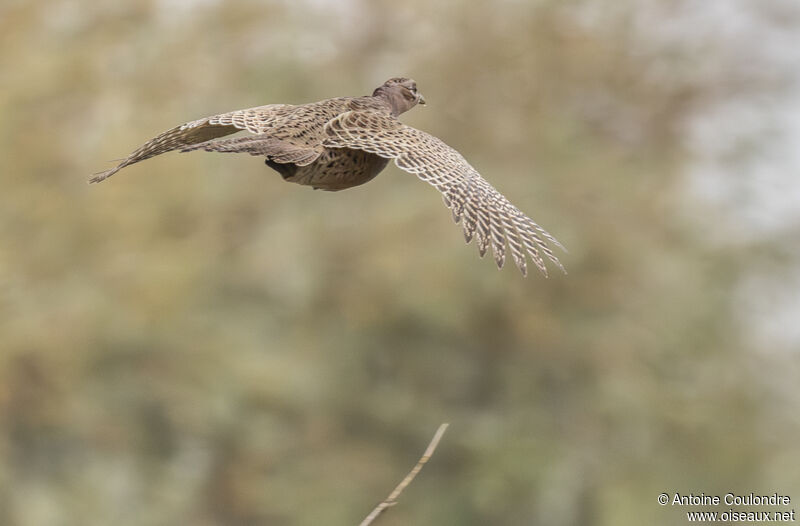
x,y
483,212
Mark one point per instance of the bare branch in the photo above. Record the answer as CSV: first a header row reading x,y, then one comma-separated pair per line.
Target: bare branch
x,y
391,500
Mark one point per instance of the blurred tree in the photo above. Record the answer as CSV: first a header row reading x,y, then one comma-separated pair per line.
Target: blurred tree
x,y
196,341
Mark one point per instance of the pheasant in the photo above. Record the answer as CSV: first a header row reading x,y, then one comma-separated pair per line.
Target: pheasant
x,y
344,142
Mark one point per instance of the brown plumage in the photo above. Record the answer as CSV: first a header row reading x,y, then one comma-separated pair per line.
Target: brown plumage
x,y
339,143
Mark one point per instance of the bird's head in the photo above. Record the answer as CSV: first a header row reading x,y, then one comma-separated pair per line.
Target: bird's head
x,y
401,93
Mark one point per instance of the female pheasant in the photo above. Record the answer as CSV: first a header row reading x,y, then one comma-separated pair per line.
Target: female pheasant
x,y
343,142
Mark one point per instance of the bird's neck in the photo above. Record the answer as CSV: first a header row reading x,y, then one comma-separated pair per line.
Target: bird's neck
x,y
396,102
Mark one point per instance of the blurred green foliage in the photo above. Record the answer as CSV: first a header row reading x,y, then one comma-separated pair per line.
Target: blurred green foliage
x,y
196,342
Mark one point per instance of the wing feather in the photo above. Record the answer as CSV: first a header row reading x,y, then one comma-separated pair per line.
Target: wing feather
x,y
484,213
262,145
302,126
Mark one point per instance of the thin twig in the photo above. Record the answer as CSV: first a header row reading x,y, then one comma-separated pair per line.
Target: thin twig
x,y
391,500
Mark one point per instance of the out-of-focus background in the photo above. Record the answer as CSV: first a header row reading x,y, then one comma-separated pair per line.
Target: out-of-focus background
x,y
195,341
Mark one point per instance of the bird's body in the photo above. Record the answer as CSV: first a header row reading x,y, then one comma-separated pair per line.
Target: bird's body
x,y
335,169
343,142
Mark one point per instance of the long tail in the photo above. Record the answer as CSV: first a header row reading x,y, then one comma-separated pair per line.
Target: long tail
x,y
174,139
277,150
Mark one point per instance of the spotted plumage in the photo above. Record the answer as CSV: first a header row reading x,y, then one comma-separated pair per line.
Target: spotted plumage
x,y
343,142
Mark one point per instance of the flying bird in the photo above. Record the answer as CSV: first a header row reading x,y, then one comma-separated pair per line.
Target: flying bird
x,y
344,142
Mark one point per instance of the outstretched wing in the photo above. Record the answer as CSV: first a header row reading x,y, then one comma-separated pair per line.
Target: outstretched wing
x,y
302,127
254,120
483,211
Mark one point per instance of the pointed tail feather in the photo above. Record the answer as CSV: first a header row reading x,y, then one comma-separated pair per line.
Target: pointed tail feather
x,y
101,176
178,137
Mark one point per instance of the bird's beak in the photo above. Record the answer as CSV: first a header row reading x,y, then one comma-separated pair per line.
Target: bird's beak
x,y
420,99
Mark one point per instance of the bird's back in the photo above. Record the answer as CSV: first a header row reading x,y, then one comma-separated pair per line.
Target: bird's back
x,y
302,124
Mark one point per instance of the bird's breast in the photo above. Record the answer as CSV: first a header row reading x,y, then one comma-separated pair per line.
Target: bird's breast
x,y
339,169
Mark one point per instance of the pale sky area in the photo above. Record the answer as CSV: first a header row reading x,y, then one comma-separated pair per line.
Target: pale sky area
x,y
759,198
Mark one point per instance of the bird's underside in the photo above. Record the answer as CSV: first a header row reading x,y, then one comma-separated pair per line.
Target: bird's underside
x,y
339,143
